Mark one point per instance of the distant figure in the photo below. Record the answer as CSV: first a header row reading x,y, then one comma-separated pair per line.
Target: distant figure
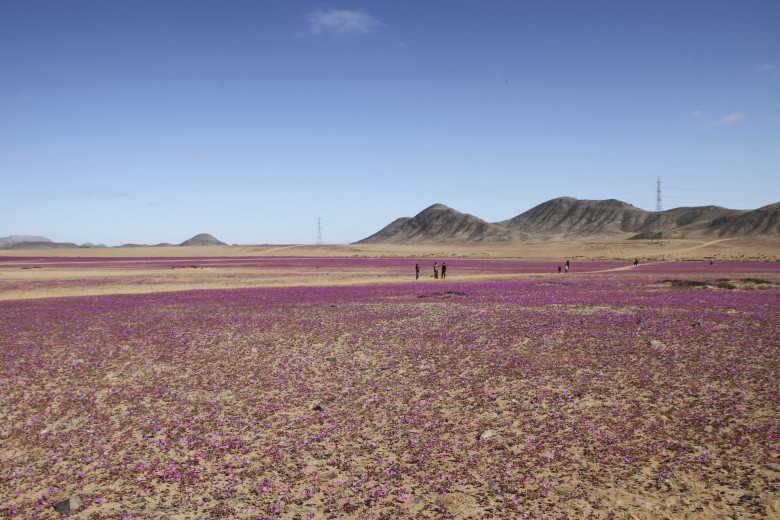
x,y
636,262
566,267
710,262
443,270
416,271
436,270
559,269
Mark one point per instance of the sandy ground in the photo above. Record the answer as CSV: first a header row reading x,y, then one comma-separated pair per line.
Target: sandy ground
x,y
22,278
767,250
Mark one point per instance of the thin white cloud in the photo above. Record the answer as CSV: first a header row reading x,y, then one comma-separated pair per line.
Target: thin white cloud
x,y
163,202
729,119
732,118
342,21
106,194
765,67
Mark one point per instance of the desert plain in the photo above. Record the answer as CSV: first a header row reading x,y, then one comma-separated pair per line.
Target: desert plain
x,y
296,382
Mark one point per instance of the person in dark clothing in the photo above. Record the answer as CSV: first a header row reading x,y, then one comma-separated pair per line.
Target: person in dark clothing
x,y
416,271
443,270
559,269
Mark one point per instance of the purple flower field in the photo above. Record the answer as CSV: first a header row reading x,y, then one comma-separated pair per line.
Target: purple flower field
x,y
608,392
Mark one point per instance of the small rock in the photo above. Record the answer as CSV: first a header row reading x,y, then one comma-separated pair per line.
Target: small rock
x,y
485,435
69,505
317,408
331,359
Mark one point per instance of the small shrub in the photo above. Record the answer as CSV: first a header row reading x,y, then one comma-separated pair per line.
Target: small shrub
x,y
688,283
755,281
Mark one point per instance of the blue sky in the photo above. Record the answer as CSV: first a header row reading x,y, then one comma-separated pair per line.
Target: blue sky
x,y
153,121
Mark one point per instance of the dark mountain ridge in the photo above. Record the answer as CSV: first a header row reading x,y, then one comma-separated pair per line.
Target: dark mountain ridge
x,y
568,218
439,223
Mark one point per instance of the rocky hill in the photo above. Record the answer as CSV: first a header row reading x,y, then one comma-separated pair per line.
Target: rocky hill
x,y
567,218
758,222
204,239
439,223
16,239
35,242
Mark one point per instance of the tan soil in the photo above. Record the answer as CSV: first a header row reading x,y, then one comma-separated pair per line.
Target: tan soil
x,y
129,281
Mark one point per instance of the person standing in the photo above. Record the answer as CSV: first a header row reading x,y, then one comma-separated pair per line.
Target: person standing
x,y
416,271
443,270
436,270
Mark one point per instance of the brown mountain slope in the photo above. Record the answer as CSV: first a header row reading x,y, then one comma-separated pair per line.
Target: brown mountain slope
x,y
439,223
687,216
685,222
570,218
759,222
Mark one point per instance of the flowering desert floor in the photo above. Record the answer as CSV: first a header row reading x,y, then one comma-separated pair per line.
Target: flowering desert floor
x,y
297,388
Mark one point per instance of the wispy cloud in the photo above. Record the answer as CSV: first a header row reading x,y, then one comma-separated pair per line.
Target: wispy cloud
x,y
106,194
765,67
164,202
340,22
731,118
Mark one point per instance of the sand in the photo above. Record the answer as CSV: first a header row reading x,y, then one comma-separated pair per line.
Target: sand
x,y
21,278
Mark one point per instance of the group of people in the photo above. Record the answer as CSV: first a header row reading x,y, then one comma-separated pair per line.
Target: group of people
x,y
435,270
444,269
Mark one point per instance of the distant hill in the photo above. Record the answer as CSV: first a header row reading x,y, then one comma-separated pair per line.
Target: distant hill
x,y
568,218
204,239
36,242
15,239
40,245
439,223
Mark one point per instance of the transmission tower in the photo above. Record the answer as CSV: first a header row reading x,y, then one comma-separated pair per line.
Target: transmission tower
x,y
659,227
319,231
